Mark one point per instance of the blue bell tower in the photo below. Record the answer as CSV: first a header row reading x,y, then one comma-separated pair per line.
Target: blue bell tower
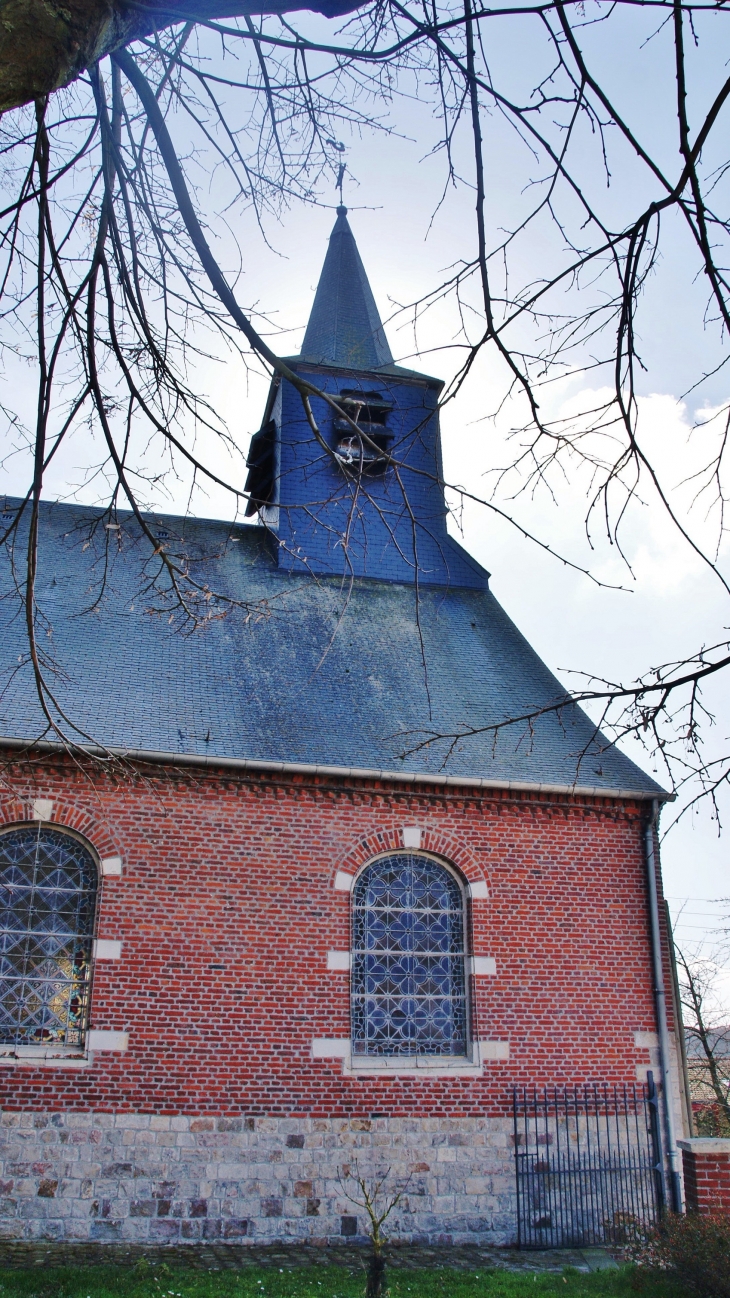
x,y
367,504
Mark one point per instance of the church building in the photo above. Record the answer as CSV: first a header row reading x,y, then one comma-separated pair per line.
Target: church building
x,y
323,883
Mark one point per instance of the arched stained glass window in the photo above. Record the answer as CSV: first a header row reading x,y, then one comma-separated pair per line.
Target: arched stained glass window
x,y
48,884
408,980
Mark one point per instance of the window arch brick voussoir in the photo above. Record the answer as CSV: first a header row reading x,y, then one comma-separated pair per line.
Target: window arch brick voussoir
x,y
66,815
447,846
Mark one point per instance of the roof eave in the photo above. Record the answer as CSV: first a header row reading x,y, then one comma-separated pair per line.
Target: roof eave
x,y
384,371
205,760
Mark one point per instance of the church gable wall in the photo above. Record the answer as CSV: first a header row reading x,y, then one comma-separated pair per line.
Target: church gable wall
x,y
232,897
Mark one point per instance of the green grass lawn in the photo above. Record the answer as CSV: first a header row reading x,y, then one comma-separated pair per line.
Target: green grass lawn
x,y
173,1281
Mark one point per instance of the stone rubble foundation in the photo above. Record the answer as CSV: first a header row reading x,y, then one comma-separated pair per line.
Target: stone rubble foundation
x,y
141,1178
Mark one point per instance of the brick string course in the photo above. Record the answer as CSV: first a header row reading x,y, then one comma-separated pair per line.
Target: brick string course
x,y
226,910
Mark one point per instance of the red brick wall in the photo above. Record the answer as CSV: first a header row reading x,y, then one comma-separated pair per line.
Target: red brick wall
x,y
226,910
706,1166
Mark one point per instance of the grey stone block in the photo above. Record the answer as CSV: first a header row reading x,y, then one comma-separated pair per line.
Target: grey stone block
x,y
234,1228
164,1232
143,1208
12,1229
106,1230
271,1207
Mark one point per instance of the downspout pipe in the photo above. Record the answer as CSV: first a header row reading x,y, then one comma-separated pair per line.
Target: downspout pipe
x,y
660,999
681,1042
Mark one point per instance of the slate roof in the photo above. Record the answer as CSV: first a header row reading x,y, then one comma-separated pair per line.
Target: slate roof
x,y
298,674
344,327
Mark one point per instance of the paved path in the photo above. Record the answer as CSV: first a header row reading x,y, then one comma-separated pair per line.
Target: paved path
x,y
218,1257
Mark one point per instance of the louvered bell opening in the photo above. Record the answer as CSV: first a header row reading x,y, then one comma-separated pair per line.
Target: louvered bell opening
x,y
367,453
261,464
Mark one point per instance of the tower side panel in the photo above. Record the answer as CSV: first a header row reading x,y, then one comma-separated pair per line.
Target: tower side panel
x,y
389,524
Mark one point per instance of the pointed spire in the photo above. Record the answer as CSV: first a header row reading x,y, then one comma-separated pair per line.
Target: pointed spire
x,y
344,328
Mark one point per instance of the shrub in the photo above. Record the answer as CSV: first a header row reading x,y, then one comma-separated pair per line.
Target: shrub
x,y
710,1120
694,1250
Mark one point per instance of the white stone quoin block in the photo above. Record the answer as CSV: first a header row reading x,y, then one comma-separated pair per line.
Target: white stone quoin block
x,y
343,881
411,836
646,1040
107,949
478,891
111,865
483,966
330,1048
338,961
104,1039
494,1050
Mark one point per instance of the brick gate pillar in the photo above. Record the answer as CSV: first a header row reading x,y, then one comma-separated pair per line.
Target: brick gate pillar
x,y
706,1165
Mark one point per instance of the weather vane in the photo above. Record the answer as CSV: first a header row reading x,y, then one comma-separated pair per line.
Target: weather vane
x,y
337,144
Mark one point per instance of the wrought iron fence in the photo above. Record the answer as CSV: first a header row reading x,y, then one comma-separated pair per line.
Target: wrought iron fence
x,y
589,1164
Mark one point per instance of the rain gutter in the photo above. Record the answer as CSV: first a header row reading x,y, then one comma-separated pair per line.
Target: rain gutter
x,y
329,772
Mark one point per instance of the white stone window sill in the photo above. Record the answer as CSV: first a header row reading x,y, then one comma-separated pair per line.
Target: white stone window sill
x,y
471,1065
428,1066
97,1041
43,1057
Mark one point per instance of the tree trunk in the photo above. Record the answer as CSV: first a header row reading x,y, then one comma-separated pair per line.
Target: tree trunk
x,y
376,1287
46,44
